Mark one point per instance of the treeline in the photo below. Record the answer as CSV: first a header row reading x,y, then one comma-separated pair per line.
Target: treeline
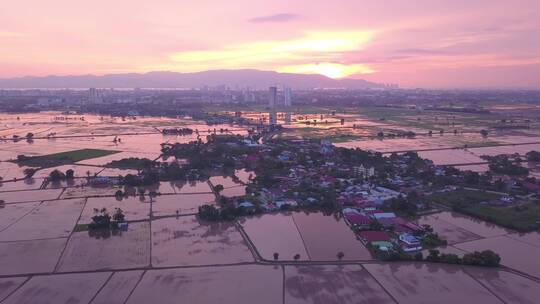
x,y
486,258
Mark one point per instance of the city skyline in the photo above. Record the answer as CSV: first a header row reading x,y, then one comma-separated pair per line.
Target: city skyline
x,y
439,44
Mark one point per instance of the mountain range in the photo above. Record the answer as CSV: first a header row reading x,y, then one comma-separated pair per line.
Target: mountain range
x,y
231,78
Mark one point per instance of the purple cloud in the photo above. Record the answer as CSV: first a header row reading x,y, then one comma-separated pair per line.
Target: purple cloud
x,y
283,17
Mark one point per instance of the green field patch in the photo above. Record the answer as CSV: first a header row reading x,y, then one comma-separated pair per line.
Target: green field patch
x,y
522,216
62,158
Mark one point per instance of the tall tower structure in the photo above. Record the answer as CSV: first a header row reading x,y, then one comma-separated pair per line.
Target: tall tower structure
x,y
288,99
272,105
94,96
288,103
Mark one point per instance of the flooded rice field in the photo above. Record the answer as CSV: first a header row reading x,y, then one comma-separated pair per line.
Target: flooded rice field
x,y
9,285
51,219
101,250
30,195
191,187
227,285
135,208
509,287
9,214
37,256
275,233
300,233
429,283
324,244
447,231
62,288
514,254
168,255
26,184
333,285
479,227
118,287
181,204
187,240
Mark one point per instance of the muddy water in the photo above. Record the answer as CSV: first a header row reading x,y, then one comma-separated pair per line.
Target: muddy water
x,y
65,288
30,256
79,171
447,231
118,287
332,284
514,254
134,207
531,238
51,219
234,191
89,191
244,176
510,287
225,181
9,214
429,283
8,285
477,226
191,187
27,184
30,195
449,157
325,236
275,233
224,285
188,241
183,203
108,250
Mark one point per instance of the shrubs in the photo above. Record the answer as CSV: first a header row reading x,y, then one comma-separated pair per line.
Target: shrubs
x,y
486,258
103,220
432,240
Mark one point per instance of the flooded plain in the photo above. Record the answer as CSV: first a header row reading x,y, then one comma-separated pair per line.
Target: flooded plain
x,y
181,204
447,231
135,208
118,287
187,240
170,257
63,288
325,244
331,284
275,233
430,283
104,250
225,285
51,219
514,254
37,256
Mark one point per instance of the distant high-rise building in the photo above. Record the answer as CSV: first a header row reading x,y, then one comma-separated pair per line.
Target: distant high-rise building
x,y
94,96
272,105
288,99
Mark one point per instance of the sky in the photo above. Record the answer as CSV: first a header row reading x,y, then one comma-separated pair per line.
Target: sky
x,y
420,43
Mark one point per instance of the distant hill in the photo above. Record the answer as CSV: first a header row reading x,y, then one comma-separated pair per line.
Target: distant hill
x,y
231,78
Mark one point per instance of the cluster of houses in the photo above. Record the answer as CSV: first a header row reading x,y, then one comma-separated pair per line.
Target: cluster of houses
x,y
393,231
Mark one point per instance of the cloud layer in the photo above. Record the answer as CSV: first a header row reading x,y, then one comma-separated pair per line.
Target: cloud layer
x,y
446,43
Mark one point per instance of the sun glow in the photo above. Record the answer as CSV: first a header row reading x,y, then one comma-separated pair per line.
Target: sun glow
x,y
311,53
332,70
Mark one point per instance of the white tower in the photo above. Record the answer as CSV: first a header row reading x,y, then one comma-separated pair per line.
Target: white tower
x,y
288,100
272,105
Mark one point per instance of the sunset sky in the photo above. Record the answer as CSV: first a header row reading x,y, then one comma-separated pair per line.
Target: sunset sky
x,y
421,43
